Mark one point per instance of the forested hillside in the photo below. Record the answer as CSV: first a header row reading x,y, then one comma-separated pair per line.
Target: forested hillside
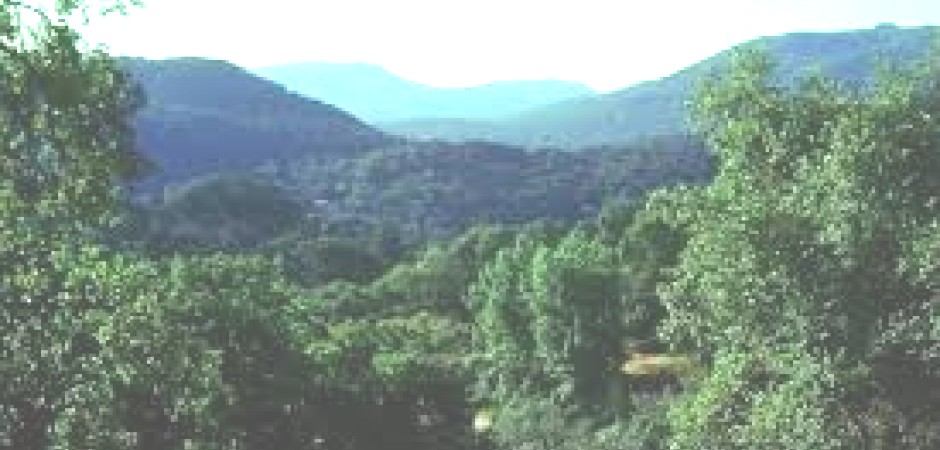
x,y
415,191
789,302
203,116
238,162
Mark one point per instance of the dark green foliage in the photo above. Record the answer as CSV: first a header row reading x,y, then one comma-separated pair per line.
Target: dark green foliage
x,y
316,261
429,190
216,213
437,190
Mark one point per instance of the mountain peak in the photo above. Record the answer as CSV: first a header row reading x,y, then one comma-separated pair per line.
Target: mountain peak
x,y
253,120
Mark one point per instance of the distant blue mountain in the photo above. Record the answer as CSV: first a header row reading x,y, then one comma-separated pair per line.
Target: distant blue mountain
x,y
376,95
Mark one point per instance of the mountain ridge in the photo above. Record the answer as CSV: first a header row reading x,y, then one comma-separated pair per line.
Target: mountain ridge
x,y
204,115
655,107
377,95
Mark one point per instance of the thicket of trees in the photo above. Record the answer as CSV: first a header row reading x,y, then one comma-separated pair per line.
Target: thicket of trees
x,y
801,286
416,191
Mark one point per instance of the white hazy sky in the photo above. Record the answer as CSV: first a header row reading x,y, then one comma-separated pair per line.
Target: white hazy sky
x,y
606,44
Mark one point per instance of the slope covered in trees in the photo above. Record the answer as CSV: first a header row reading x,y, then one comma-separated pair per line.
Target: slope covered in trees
x,y
238,161
417,191
204,116
204,120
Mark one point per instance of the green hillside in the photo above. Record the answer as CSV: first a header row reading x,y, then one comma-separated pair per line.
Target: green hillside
x,y
206,116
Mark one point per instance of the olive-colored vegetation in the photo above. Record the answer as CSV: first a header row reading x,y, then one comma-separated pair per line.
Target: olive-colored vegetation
x,y
789,304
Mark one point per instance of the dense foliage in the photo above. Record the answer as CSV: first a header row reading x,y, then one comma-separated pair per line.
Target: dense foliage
x,y
806,277
789,304
412,192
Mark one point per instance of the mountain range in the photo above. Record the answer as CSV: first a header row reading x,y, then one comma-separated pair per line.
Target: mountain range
x,y
646,109
377,96
240,160
207,119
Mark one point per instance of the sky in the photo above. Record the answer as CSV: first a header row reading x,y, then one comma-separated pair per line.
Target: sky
x,y
606,44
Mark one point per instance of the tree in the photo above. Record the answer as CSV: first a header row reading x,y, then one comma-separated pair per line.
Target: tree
x,y
64,138
553,318
799,261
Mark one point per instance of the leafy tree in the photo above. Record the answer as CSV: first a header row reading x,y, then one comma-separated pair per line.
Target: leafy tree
x,y
317,261
393,382
552,320
441,274
237,307
165,373
64,139
799,258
